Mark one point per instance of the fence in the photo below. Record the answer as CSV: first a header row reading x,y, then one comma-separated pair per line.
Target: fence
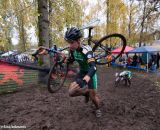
x,y
17,75
13,77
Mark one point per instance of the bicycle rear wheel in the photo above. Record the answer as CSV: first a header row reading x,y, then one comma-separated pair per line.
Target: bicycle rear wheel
x,y
103,48
57,77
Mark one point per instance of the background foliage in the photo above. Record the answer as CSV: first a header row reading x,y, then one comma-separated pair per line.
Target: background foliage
x,y
138,20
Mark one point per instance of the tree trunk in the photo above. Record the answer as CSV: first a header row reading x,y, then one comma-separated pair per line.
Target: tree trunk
x,y
23,36
43,25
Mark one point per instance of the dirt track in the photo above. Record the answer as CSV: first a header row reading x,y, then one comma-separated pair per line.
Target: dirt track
x,y
135,108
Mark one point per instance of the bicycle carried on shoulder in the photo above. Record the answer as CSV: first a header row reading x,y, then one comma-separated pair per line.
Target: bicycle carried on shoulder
x,y
58,73
102,47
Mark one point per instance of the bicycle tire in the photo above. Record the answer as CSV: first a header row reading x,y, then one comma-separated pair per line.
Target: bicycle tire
x,y
99,44
56,78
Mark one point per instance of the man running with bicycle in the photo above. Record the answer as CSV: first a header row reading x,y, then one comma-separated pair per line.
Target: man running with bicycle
x,y
85,83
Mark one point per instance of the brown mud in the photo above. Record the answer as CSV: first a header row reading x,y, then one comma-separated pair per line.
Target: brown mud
x,y
123,108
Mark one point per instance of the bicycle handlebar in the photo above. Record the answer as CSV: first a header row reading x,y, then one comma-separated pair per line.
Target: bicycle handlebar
x,y
64,48
60,50
47,49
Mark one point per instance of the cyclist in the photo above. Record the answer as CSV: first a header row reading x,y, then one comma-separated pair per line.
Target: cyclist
x,y
125,76
83,54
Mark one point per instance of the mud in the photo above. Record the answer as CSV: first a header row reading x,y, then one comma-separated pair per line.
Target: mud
x,y
123,108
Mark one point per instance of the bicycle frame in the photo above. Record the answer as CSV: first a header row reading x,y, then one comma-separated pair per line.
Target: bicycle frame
x,y
91,41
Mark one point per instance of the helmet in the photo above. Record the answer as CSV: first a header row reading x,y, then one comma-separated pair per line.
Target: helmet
x,y
72,33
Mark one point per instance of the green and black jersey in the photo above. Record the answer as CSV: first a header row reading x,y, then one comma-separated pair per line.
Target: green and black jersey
x,y
85,57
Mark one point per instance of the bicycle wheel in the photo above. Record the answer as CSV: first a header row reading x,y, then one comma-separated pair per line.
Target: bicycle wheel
x,y
71,74
57,77
103,48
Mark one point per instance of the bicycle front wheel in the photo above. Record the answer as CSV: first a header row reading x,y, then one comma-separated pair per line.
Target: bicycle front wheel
x,y
103,49
57,76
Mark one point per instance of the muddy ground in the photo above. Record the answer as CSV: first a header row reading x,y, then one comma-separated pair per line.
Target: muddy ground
x,y
134,108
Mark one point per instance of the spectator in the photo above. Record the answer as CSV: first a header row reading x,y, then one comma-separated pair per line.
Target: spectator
x,y
139,61
135,57
129,60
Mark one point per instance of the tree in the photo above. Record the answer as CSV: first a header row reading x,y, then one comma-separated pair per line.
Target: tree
x,y
6,25
43,35
131,27
62,15
148,7
43,25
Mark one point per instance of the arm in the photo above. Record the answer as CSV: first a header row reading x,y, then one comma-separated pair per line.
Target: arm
x,y
92,66
42,50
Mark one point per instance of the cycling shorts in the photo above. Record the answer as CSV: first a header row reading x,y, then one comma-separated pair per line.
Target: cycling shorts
x,y
92,84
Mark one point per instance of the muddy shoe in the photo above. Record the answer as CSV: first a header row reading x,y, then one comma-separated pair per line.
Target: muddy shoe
x,y
98,113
